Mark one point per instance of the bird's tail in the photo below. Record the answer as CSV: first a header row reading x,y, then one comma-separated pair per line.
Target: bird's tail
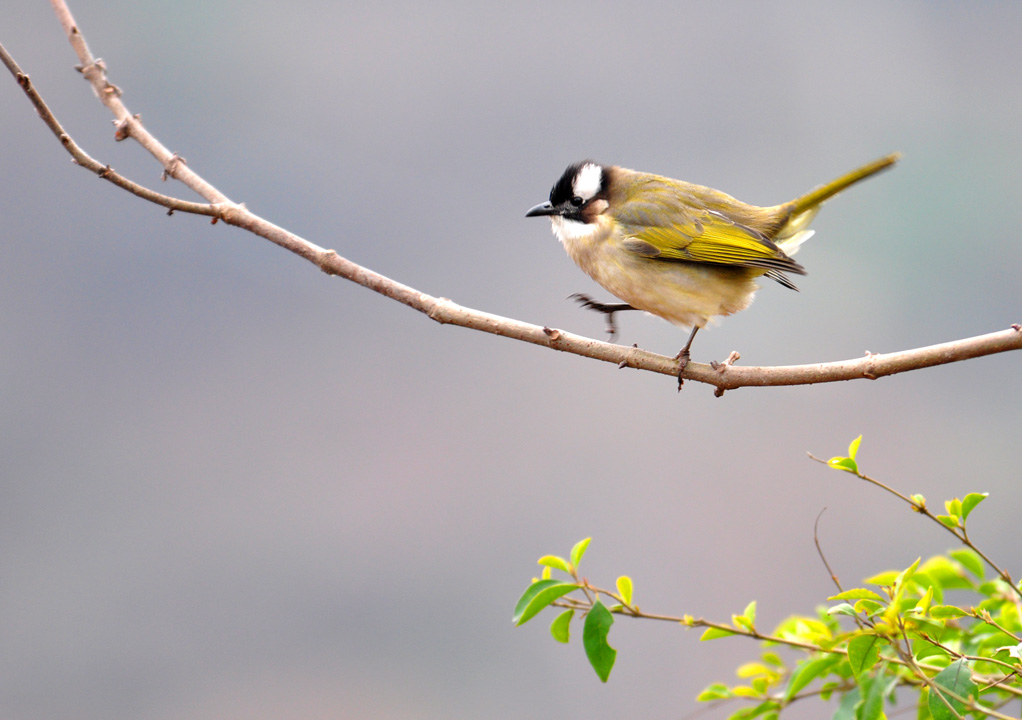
x,y
802,210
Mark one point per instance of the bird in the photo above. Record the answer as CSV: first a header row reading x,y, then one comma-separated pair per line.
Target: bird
x,y
684,252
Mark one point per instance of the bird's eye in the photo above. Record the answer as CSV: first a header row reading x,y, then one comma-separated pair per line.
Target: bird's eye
x,y
577,201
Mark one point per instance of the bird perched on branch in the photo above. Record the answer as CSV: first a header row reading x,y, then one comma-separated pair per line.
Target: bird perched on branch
x,y
681,251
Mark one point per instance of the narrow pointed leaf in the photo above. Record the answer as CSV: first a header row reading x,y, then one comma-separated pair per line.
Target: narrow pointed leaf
x,y
853,447
807,671
750,613
579,550
946,612
538,596
857,594
714,633
594,637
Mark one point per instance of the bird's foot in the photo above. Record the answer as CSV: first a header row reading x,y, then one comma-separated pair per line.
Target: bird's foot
x,y
608,309
683,358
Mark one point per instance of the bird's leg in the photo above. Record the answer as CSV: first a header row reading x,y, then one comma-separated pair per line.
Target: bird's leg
x,y
684,356
607,309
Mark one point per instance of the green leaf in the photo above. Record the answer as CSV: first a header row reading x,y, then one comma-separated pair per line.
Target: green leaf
x,y
578,551
555,562
624,589
594,638
714,633
946,612
950,521
561,626
846,708
873,698
925,602
538,596
857,594
716,691
842,609
853,447
906,574
970,501
885,578
807,671
970,560
863,653
869,607
844,463
956,678
750,614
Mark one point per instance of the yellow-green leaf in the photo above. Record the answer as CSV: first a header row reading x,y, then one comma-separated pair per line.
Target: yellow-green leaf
x,y
556,562
970,560
716,691
946,612
579,550
857,594
844,463
560,627
750,613
853,447
624,589
970,501
714,633
949,520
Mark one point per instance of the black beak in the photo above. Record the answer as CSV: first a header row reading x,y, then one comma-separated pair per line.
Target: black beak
x,y
542,209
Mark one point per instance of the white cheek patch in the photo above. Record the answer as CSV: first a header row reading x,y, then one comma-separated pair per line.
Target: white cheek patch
x,y
571,231
588,181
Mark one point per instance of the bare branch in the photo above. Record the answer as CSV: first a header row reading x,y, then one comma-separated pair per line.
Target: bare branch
x,y
726,376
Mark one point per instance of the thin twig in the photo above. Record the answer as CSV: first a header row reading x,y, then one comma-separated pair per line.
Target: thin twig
x,y
920,507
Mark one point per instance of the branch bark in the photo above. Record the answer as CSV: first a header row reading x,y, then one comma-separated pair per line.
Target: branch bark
x,y
219,207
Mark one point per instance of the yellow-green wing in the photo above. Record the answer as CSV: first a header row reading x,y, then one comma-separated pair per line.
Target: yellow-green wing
x,y
670,220
709,237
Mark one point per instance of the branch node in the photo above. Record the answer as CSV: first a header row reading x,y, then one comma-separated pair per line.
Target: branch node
x,y
122,129
23,80
552,333
105,171
733,357
171,168
326,260
1016,327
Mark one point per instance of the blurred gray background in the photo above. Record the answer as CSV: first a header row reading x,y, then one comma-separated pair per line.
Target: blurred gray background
x,y
233,487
